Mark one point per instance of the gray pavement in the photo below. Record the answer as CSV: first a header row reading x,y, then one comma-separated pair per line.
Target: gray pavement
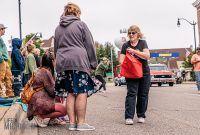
x,y
172,111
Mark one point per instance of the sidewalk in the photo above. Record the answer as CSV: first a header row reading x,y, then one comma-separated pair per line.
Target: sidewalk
x,y
189,82
13,121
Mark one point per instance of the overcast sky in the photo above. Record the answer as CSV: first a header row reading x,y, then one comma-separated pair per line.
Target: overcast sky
x,y
156,18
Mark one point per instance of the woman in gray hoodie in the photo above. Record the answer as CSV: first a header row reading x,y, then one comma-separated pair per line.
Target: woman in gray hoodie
x,y
75,53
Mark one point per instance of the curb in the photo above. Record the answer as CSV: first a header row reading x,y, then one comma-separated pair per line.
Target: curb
x,y
189,82
14,122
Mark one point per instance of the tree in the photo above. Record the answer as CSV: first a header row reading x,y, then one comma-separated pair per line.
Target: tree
x,y
105,51
187,64
37,41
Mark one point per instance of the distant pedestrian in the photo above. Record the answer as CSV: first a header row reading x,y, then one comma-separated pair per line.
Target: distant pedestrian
x,y
183,73
5,72
75,53
101,71
30,63
36,53
18,65
137,89
195,60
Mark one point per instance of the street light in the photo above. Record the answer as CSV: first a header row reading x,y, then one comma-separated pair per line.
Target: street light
x,y
20,21
193,24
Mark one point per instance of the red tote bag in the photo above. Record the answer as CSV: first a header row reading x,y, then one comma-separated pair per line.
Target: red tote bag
x,y
131,67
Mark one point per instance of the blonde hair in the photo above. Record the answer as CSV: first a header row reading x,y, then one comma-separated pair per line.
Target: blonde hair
x,y
135,28
72,9
30,48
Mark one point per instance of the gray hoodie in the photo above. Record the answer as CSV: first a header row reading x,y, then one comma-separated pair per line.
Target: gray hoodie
x,y
74,47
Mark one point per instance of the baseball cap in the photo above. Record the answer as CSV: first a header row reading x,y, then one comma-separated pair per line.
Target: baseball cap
x,y
2,26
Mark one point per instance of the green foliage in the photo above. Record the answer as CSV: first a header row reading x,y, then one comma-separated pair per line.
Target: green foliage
x,y
187,64
37,41
104,50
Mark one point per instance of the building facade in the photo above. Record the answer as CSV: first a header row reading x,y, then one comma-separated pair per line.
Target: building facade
x,y
197,5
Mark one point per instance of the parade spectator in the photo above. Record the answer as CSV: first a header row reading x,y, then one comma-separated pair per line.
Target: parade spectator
x,y
17,65
5,72
136,88
74,49
42,104
36,54
183,73
101,71
195,60
30,63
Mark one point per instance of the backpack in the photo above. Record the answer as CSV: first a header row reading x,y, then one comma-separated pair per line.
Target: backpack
x,y
28,90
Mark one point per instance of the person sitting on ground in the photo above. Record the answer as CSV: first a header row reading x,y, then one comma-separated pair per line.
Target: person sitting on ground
x,y
42,104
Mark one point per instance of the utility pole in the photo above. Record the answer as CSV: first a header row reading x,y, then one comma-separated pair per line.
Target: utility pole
x,y
20,21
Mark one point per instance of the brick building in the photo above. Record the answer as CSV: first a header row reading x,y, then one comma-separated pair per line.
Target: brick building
x,y
173,63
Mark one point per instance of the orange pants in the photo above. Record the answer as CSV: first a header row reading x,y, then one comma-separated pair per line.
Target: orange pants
x,y
6,79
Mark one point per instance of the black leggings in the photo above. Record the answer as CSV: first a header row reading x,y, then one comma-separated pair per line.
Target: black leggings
x,y
101,79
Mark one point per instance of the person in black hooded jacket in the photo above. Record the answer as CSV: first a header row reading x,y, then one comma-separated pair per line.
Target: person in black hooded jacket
x,y
17,65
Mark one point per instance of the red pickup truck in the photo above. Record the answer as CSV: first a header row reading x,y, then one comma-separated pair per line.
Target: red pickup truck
x,y
161,75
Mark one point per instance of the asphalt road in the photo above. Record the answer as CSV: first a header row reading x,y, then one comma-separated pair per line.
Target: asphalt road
x,y
172,111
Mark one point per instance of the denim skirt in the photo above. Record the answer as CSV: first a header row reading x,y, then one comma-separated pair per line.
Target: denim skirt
x,y
76,82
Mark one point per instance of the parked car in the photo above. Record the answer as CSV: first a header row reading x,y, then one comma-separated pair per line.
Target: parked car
x,y
118,80
161,75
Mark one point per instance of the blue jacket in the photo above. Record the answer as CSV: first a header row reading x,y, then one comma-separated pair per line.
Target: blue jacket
x,y
16,56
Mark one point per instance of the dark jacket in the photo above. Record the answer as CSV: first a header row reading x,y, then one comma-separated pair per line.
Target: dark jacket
x,y
16,56
101,69
74,47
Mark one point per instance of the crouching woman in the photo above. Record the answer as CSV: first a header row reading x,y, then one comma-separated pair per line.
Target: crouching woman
x,y
42,104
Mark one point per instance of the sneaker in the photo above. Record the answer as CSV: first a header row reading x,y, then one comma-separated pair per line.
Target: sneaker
x,y
141,120
102,91
72,127
40,121
129,122
65,119
56,121
85,127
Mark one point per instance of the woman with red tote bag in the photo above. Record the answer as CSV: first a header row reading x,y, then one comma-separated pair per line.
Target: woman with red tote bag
x,y
137,87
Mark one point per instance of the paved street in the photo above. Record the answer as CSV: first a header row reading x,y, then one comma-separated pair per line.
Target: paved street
x,y
172,111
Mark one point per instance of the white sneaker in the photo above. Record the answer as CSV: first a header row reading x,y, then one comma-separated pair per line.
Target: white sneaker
x,y
85,127
129,122
40,122
102,91
141,120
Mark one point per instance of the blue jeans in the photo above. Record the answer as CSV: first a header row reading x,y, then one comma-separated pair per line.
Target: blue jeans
x,y
197,77
137,89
